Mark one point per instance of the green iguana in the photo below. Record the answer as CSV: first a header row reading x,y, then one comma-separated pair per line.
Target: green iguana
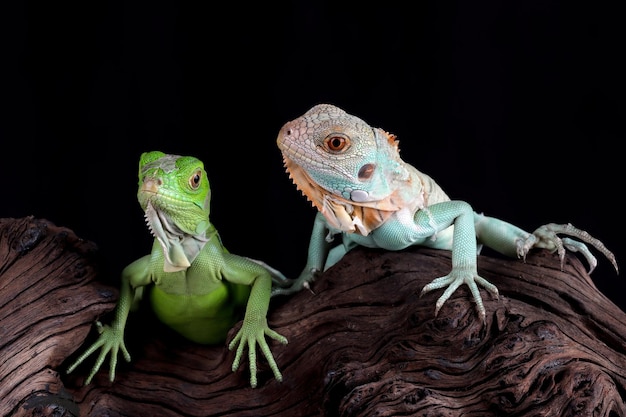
x,y
354,176
195,285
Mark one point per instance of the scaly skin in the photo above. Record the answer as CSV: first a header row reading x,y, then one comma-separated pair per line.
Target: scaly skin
x,y
195,285
363,190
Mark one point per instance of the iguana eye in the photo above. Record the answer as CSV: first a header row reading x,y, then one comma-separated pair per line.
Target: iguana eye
x,y
336,142
194,180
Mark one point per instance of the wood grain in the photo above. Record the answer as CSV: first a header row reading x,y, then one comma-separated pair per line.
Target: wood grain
x,y
363,344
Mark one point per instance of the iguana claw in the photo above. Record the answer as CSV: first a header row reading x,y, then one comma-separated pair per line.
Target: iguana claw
x,y
110,341
547,237
453,281
251,334
287,287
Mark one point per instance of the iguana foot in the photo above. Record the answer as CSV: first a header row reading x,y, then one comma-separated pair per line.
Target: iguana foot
x,y
249,336
453,281
110,341
546,237
289,287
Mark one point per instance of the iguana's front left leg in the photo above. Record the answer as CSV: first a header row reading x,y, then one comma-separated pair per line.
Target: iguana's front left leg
x,y
255,327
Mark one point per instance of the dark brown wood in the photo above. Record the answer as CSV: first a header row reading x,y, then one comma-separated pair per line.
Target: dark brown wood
x,y
49,299
365,343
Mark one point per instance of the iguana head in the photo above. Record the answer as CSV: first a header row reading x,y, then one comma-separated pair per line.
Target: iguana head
x,y
350,171
175,194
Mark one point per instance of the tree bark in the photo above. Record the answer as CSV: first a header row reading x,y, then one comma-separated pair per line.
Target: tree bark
x,y
363,343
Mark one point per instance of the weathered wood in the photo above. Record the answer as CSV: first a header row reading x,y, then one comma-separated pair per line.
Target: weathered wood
x,y
49,299
364,344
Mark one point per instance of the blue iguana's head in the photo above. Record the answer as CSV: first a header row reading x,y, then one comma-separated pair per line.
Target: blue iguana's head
x,y
175,194
339,162
343,154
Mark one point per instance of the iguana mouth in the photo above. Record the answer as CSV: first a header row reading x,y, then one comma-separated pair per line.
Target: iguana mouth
x,y
345,215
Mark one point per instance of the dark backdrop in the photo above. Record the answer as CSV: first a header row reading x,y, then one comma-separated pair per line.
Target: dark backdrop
x,y
515,107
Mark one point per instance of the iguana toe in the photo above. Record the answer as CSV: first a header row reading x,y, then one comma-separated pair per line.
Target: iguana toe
x,y
453,281
547,237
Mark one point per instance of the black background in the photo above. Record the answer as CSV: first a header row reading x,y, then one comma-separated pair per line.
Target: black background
x,y
516,107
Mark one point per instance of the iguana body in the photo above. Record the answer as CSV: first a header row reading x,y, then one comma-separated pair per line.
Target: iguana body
x,y
363,190
196,286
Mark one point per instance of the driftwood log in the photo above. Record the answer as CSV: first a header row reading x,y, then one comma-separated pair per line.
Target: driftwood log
x,y
364,344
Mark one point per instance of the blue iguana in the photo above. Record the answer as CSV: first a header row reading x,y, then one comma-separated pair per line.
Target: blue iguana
x,y
364,191
194,284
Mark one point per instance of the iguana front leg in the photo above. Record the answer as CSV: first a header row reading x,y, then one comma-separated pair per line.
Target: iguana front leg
x,y
111,337
242,270
434,220
547,237
512,241
319,246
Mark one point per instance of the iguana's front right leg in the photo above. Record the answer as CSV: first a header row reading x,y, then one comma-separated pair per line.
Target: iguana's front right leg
x,y
111,337
237,269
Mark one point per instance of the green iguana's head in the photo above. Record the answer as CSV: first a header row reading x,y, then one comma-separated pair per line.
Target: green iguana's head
x,y
349,170
175,194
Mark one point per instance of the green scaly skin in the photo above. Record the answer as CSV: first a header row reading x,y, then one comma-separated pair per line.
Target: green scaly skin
x,y
364,191
195,285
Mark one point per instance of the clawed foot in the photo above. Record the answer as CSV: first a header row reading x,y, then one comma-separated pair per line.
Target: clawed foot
x,y
293,286
249,336
547,237
453,281
292,289
110,341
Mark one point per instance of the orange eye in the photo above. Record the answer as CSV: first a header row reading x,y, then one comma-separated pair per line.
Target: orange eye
x,y
336,142
195,179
